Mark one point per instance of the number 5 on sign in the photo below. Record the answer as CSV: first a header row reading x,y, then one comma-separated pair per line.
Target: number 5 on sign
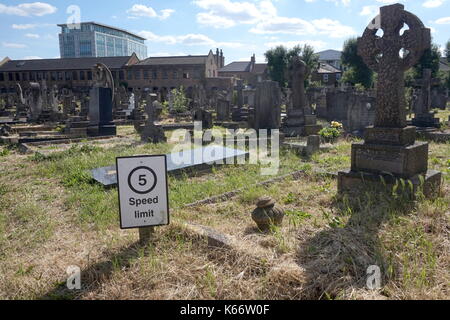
x,y
143,191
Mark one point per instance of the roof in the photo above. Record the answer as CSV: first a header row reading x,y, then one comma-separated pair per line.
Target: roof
x,y
239,66
174,60
329,55
106,26
63,64
326,68
260,68
444,65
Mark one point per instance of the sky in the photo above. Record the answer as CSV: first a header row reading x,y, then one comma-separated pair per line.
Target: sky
x,y
240,28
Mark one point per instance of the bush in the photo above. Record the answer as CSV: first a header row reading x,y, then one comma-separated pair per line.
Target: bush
x,y
330,134
180,102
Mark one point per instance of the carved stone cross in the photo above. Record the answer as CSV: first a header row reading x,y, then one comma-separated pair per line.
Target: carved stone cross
x,y
425,84
298,72
390,56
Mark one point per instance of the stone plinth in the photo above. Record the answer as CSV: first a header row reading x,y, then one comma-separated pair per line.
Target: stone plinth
x,y
426,120
351,182
100,113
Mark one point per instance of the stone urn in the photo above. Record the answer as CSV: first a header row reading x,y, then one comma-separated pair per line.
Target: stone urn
x,y
266,214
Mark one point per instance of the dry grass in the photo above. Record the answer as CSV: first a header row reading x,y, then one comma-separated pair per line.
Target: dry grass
x,y
51,219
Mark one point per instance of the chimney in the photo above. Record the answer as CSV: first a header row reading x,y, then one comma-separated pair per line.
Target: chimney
x,y
253,61
222,59
217,58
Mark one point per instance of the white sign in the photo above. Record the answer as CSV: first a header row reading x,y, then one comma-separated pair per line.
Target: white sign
x,y
143,191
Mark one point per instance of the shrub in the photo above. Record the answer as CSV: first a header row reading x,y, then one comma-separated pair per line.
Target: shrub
x,y
330,134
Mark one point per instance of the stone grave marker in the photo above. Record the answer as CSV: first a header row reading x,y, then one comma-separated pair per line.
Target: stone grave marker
x,y
423,115
390,152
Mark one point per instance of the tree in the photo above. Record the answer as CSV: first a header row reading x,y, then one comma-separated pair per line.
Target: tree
x,y
278,60
276,63
447,50
180,101
429,60
356,70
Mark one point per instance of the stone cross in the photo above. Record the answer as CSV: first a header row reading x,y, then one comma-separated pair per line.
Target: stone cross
x,y
390,56
240,96
426,83
298,72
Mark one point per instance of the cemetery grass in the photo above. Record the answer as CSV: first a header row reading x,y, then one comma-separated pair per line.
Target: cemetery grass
x,y
53,216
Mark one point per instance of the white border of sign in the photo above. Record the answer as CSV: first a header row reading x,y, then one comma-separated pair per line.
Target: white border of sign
x,y
167,189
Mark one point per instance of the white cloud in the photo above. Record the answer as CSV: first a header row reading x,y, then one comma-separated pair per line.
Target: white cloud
x,y
32,35
297,26
12,45
433,3
28,26
28,9
191,39
31,58
370,11
316,44
226,13
140,10
445,20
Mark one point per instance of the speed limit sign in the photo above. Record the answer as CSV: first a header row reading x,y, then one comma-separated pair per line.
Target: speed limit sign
x,y
143,191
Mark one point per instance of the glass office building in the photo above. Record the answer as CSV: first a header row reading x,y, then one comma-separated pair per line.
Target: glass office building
x,y
91,39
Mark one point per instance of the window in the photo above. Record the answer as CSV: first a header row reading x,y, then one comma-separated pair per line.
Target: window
x,y
89,75
60,76
338,76
146,75
24,76
2,76
39,76
53,76
82,76
185,75
121,75
137,74
325,77
155,75
165,75
130,75
67,76
10,77
75,75
114,75
17,76
32,76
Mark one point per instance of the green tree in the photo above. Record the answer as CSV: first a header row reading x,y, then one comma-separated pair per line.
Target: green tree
x,y
356,70
180,102
429,60
278,61
447,50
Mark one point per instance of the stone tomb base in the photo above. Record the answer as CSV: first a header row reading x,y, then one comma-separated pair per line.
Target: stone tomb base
x,y
353,182
426,121
308,130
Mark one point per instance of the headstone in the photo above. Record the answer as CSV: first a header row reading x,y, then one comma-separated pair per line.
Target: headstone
x,y
101,103
423,115
151,131
239,91
35,101
390,152
223,109
299,120
267,105
203,116
312,145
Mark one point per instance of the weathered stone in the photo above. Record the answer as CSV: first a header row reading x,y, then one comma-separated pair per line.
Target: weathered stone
x,y
267,215
312,145
267,106
390,152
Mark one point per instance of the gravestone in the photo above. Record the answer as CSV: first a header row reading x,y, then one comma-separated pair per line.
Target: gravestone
x,y
390,152
438,99
299,120
267,105
34,101
203,116
101,103
152,132
312,145
423,115
239,93
223,109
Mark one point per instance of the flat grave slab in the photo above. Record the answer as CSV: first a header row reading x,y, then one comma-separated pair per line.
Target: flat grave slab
x,y
199,159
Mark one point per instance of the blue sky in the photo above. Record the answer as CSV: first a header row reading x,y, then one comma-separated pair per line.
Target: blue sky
x,y
181,27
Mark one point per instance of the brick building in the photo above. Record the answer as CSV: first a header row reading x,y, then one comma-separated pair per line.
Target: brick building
x,y
251,72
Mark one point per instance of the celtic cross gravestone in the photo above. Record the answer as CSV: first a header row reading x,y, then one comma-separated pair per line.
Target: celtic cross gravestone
x,y
390,151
